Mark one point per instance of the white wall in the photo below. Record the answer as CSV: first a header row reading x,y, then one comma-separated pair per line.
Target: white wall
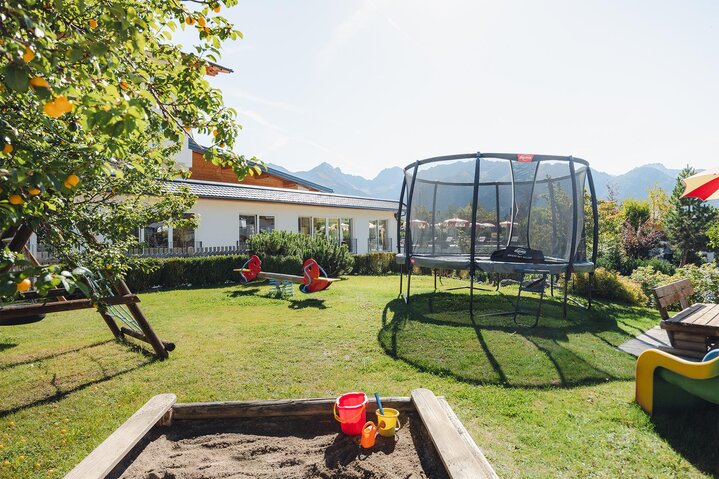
x,y
184,157
219,221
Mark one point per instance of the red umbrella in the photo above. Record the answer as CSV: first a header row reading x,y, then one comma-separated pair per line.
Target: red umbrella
x,y
704,185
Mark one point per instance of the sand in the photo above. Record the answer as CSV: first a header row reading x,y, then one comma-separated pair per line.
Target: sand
x,y
271,448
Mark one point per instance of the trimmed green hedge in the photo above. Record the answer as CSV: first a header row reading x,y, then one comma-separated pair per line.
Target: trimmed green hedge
x,y
149,273
175,272
375,263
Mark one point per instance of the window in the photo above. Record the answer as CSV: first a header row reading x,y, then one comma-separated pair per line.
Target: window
x,y
184,237
378,240
304,226
156,235
320,226
346,233
248,227
373,235
267,224
333,230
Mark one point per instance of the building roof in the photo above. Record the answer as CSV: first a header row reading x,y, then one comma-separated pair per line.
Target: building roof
x,y
213,68
229,191
194,146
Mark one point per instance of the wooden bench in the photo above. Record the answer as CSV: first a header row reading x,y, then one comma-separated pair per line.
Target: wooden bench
x,y
695,329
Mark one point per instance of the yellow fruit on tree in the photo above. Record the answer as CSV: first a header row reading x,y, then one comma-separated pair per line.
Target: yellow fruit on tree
x,y
39,82
16,200
28,55
23,285
58,107
93,23
64,104
72,180
34,191
190,20
217,9
215,132
201,22
124,85
7,149
52,110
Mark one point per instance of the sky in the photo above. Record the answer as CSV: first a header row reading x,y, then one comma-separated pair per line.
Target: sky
x,y
369,84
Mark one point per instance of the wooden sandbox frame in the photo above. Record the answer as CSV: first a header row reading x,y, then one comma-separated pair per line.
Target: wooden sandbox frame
x,y
455,447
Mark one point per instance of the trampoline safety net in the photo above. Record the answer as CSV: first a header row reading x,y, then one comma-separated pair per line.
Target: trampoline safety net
x,y
491,201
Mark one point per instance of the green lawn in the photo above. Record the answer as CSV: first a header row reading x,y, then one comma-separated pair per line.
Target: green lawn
x,y
553,401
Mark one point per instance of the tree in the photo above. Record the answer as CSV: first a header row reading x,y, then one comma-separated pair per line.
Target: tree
x,y
687,220
94,99
609,223
638,234
658,205
635,212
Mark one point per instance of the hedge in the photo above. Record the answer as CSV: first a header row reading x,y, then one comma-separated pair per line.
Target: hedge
x,y
149,273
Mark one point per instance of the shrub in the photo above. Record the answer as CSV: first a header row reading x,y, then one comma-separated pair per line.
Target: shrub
x,y
661,265
333,257
147,273
705,280
610,285
648,279
375,263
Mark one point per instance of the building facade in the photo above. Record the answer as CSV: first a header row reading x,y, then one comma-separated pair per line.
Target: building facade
x,y
229,211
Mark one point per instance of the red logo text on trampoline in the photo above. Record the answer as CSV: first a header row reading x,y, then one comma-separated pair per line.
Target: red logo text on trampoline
x,y
525,158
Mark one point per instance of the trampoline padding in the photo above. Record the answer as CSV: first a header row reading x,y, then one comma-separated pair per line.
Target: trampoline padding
x,y
489,266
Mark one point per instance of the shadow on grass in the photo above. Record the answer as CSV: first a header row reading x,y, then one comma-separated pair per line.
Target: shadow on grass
x,y
693,433
52,377
248,291
6,346
435,333
55,354
307,303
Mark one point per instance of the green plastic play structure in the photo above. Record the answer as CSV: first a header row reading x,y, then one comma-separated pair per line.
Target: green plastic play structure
x,y
667,382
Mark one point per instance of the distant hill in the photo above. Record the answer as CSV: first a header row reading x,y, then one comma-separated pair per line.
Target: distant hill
x,y
635,183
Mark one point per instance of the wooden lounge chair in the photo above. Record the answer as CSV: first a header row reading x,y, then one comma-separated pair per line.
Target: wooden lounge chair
x,y
695,329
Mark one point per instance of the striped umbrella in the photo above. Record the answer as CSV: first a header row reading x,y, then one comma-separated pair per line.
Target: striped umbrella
x,y
704,185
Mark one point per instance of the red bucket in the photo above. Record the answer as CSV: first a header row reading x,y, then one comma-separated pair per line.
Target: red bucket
x,y
351,412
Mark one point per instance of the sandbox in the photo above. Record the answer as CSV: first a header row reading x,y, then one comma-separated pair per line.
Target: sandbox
x,y
295,438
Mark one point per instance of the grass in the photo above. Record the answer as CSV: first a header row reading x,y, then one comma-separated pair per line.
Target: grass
x,y
553,401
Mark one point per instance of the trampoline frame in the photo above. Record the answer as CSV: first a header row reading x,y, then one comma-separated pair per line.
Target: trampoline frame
x,y
568,266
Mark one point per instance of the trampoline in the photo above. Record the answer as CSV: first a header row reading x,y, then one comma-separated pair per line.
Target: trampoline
x,y
497,213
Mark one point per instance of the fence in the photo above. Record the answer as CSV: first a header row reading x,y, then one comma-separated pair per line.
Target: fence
x,y
46,255
379,244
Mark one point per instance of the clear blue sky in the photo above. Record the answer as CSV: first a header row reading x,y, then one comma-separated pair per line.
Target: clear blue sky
x,y
370,84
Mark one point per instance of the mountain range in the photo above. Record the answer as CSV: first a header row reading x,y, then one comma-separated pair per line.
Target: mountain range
x,y
635,183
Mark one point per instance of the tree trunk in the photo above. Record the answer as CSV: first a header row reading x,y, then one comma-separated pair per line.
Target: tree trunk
x,y
685,257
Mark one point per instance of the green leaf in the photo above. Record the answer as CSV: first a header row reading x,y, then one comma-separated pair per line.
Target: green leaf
x,y
98,49
16,77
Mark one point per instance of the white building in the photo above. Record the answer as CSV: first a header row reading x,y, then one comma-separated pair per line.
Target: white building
x,y
229,211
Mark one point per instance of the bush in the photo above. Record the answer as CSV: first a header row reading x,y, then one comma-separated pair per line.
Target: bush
x,y
610,285
705,280
648,279
660,265
375,263
334,258
147,273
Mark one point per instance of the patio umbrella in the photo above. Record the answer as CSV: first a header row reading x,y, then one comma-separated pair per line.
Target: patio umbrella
x,y
419,223
704,185
456,222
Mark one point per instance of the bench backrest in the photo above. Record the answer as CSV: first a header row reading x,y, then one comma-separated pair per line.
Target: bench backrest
x,y
679,291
